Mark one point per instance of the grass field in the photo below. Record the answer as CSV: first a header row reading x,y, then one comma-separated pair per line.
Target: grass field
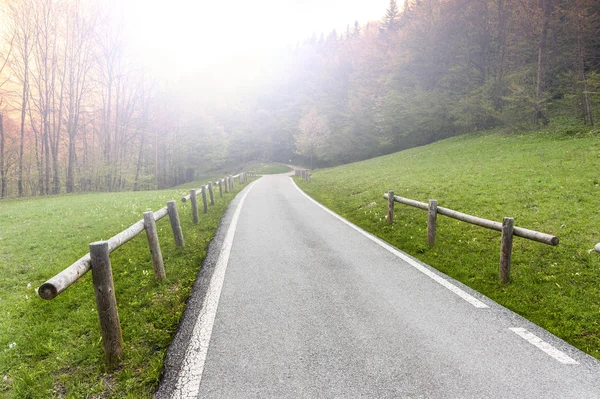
x,y
267,168
53,348
547,181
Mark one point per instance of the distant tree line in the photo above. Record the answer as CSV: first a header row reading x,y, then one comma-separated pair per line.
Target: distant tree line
x,y
429,70
79,113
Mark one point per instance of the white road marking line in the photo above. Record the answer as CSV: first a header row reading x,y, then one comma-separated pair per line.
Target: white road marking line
x,y
543,345
467,297
190,375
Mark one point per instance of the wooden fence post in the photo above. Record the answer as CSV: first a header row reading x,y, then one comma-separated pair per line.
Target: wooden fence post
x,y
211,193
194,205
231,179
175,225
106,303
221,188
157,259
390,214
204,200
432,222
508,225
226,182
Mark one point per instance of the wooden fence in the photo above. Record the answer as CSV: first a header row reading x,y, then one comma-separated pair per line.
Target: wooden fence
x,y
303,173
98,261
507,228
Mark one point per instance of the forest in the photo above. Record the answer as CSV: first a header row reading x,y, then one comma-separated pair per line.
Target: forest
x,y
79,112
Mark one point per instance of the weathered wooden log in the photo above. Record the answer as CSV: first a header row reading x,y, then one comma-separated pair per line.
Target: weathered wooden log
x,y
432,222
194,206
211,193
204,200
409,202
175,224
489,224
390,212
518,231
154,245
506,249
60,282
220,188
106,303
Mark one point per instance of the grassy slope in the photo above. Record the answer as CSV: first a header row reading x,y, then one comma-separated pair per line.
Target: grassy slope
x,y
267,168
53,348
547,182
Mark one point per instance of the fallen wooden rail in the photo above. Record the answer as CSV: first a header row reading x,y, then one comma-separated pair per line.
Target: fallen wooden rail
x,y
506,227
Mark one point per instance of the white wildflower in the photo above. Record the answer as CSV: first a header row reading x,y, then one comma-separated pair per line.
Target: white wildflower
x,y
12,345
28,285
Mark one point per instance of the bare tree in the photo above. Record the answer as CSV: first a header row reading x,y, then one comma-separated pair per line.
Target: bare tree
x,y
22,29
3,172
79,61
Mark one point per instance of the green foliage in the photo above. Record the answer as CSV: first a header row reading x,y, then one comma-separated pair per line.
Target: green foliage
x,y
53,348
436,69
548,181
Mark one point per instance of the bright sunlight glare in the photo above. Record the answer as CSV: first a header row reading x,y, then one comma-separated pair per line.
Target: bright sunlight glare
x,y
222,45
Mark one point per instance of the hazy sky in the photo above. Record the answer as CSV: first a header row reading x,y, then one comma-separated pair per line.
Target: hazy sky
x,y
229,41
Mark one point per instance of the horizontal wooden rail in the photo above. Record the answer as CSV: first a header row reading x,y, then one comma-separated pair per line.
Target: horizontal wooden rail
x,y
489,224
506,227
60,282
57,284
199,191
187,197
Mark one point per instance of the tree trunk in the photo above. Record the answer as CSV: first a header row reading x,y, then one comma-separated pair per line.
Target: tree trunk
x,y
2,170
541,72
70,167
139,164
24,100
586,103
46,151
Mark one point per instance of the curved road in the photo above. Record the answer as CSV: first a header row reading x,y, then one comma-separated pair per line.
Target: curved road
x,y
295,302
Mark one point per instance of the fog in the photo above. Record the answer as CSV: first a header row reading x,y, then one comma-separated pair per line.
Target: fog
x,y
214,50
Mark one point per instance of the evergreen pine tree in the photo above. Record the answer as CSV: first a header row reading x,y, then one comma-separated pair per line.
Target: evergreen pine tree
x,y
356,33
391,18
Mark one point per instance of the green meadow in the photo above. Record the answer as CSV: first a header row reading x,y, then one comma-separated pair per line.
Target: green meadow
x,y
53,348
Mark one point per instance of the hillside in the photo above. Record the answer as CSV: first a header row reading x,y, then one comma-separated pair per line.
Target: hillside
x,y
547,181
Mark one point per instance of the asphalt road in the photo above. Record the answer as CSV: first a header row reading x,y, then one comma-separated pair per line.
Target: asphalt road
x,y
311,307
